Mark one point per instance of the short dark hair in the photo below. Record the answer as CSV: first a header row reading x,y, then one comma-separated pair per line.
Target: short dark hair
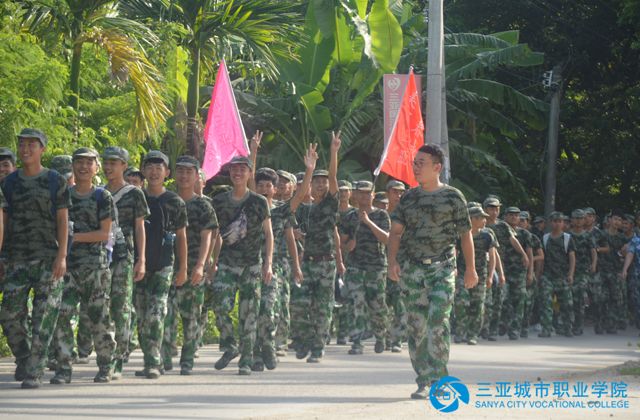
x,y
435,151
266,174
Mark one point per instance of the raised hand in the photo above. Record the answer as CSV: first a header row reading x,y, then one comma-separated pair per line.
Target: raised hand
x,y
254,143
335,141
311,157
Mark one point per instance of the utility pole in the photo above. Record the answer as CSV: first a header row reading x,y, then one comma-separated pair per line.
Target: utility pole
x,y
553,81
436,110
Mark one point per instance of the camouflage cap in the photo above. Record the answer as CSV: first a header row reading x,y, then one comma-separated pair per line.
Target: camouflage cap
x,y
578,214
512,210
491,202
380,197
473,204
556,215
476,211
33,133
343,184
132,170
524,215
589,211
240,160
538,219
320,172
85,152
299,177
364,186
629,218
5,152
115,152
396,185
287,175
62,165
155,155
189,161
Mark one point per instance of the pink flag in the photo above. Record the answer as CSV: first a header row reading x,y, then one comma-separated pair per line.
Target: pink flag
x,y
223,134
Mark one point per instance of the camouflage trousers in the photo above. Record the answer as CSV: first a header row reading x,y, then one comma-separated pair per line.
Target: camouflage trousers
x,y
595,292
529,303
430,290
284,289
367,294
469,308
245,281
579,295
614,307
342,319
206,306
29,335
84,338
634,294
121,304
170,332
312,305
396,313
265,345
515,293
562,289
150,299
186,302
92,287
493,308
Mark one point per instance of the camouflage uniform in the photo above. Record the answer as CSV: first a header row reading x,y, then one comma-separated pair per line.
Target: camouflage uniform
x,y
469,303
342,319
532,290
584,245
516,286
188,299
32,247
554,281
151,293
596,293
396,314
432,221
239,270
312,302
88,281
610,269
634,277
366,274
131,206
494,299
270,298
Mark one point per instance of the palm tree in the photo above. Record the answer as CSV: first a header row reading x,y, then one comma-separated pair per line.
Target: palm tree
x,y
262,29
79,22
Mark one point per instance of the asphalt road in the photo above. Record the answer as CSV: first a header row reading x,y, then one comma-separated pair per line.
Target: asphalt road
x,y
342,386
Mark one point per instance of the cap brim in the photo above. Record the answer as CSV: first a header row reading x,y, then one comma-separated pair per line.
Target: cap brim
x,y
188,164
91,155
114,157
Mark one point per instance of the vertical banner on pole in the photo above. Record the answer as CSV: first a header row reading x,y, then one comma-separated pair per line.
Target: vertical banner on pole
x,y
394,86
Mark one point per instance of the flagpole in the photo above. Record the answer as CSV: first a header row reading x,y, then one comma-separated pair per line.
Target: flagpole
x,y
436,110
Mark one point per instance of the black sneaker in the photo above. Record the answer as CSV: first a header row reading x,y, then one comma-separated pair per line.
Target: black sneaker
x,y
544,334
142,372
21,371
31,383
354,351
103,376
52,365
244,371
226,358
167,365
524,334
420,393
257,366
396,348
513,337
186,371
153,373
313,359
61,377
271,362
82,360
379,347
472,341
342,341
492,338
301,352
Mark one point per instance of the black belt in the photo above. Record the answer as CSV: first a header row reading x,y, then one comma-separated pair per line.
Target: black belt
x,y
327,257
434,260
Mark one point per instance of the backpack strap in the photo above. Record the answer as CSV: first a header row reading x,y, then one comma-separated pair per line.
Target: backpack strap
x,y
567,239
545,239
121,192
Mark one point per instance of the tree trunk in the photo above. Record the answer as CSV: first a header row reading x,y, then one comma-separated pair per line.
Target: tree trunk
x,y
193,104
74,99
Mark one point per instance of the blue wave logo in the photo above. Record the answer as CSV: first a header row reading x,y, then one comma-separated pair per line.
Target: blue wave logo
x,y
446,394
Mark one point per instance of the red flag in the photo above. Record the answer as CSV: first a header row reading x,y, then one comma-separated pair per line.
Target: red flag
x,y
223,134
406,137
